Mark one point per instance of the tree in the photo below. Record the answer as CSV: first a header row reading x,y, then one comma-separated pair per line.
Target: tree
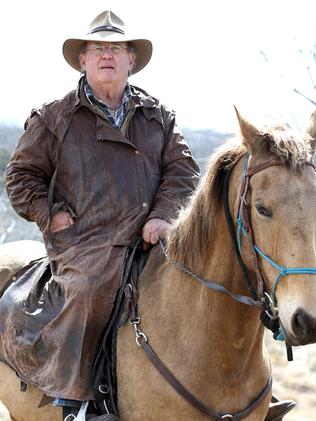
x,y
4,159
296,70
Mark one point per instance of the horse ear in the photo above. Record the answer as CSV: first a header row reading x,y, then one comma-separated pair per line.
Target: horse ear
x,y
250,134
311,131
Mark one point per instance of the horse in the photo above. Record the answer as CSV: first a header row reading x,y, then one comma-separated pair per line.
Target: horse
x,y
196,313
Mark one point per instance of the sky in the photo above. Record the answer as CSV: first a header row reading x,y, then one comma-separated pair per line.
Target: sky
x,y
206,58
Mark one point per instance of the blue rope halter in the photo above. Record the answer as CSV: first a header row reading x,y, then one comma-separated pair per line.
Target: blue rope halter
x,y
283,271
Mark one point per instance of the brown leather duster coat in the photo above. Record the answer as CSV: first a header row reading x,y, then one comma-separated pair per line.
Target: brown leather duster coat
x,y
111,181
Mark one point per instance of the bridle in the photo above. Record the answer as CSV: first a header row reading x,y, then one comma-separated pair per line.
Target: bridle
x,y
245,230
261,297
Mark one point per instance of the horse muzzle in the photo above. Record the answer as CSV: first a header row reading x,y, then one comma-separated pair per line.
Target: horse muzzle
x,y
303,326
301,329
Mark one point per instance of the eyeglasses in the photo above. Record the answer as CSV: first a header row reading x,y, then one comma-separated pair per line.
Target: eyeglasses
x,y
100,49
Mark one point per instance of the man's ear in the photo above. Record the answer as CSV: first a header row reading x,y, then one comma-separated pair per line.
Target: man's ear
x,y
132,61
82,61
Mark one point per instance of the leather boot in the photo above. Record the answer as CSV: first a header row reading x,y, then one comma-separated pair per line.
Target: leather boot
x,y
106,417
278,409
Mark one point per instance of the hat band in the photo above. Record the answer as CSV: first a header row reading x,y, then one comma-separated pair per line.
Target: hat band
x,y
107,28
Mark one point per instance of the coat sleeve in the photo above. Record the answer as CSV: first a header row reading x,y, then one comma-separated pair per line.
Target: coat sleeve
x,y
29,172
179,176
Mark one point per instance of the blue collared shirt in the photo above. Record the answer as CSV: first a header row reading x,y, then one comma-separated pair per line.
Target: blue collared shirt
x,y
115,117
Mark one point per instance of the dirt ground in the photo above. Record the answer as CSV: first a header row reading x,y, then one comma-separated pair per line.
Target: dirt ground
x,y
291,380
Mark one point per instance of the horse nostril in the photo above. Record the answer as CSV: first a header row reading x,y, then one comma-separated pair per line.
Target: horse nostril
x,y
302,323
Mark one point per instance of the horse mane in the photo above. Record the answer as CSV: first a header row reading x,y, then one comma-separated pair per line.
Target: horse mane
x,y
281,143
192,232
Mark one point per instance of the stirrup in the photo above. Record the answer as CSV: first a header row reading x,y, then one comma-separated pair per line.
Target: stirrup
x,y
70,417
69,413
81,414
277,409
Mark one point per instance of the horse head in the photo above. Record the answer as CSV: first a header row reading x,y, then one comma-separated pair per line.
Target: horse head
x,y
279,200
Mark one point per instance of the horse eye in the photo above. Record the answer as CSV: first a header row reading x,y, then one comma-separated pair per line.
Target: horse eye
x,y
264,211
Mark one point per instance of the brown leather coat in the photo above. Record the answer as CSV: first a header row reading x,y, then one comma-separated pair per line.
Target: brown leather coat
x,y
111,181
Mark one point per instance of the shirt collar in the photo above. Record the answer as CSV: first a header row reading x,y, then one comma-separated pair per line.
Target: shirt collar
x,y
93,99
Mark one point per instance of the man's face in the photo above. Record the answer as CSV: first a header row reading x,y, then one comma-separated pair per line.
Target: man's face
x,y
106,62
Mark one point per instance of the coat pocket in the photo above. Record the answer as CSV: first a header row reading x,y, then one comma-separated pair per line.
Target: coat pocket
x,y
62,240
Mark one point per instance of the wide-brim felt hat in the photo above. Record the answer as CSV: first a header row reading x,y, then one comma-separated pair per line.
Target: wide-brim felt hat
x,y
107,27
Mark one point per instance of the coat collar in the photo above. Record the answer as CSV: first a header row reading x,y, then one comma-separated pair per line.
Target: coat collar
x,y
150,105
57,115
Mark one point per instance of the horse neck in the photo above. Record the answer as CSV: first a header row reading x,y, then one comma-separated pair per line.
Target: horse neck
x,y
229,328
222,266
210,333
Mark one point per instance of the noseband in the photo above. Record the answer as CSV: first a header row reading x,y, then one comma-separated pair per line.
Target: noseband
x,y
245,229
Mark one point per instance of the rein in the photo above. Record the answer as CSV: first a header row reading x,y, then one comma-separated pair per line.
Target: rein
x,y
142,342
244,299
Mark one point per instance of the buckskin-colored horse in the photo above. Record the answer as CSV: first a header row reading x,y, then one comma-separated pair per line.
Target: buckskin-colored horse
x,y
199,312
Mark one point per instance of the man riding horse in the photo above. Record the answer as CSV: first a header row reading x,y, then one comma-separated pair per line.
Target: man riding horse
x,y
96,171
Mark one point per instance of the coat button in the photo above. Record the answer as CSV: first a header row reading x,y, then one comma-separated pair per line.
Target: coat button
x,y
145,205
137,152
99,136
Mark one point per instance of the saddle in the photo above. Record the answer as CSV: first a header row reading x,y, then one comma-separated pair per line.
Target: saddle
x,y
22,303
